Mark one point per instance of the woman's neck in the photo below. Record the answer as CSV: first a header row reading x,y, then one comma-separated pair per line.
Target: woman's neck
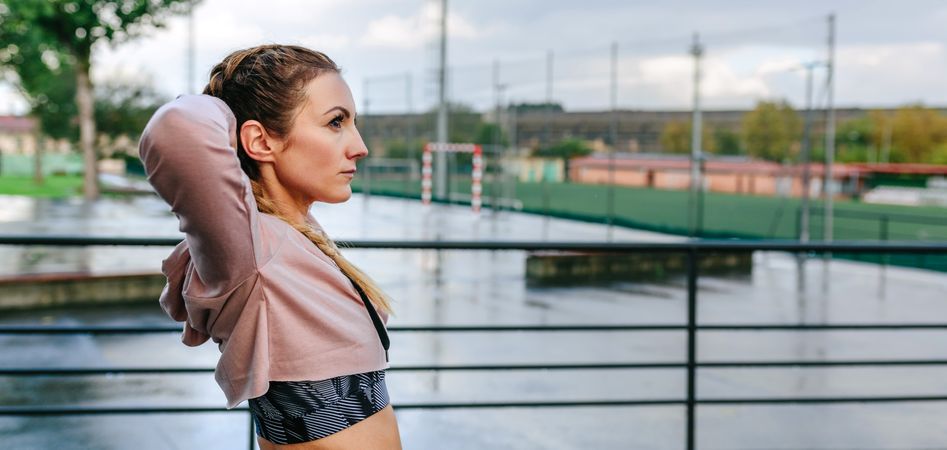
x,y
283,201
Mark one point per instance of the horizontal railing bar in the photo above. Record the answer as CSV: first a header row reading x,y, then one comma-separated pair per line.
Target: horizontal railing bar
x,y
837,363
68,371
77,240
777,400
82,371
95,410
98,329
108,329
721,401
406,368
80,410
822,327
706,245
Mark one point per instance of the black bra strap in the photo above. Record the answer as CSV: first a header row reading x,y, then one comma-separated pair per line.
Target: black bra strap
x,y
379,326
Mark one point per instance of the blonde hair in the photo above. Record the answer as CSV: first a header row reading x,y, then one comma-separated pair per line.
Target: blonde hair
x,y
266,83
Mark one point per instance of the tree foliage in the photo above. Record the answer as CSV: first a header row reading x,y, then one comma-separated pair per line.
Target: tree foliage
x,y
62,33
73,26
490,134
42,74
536,107
772,131
567,148
726,142
853,141
404,149
676,138
916,131
123,107
912,133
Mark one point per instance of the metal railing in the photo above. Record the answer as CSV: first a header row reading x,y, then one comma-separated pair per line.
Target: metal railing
x,y
692,249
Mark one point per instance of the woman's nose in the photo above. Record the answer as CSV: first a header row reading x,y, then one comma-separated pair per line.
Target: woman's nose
x,y
358,148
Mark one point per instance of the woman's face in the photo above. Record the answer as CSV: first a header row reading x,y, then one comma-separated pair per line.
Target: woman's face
x,y
320,150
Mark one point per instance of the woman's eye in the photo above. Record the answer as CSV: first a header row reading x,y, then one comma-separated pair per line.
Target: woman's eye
x,y
336,122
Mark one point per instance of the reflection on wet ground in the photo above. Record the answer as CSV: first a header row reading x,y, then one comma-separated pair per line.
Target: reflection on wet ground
x,y
487,287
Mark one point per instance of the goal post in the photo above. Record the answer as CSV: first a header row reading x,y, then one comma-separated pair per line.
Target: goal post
x,y
476,174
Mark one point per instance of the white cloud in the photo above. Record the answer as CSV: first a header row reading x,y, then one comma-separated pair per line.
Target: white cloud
x,y
777,66
670,80
326,42
914,55
395,31
373,39
893,73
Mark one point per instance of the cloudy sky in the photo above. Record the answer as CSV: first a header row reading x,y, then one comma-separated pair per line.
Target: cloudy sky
x,y
889,53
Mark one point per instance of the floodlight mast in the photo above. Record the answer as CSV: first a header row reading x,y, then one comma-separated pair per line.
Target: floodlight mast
x,y
440,163
695,210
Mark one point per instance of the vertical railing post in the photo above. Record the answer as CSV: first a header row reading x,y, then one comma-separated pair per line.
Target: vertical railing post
x,y
798,223
252,435
883,236
691,342
883,228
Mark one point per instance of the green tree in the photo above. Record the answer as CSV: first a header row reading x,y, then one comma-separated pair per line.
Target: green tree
x,y
771,130
490,134
676,138
47,85
537,107
939,155
853,141
916,131
726,142
122,108
64,32
404,149
565,149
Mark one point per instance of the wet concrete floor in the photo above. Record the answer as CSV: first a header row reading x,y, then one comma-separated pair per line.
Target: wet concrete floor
x,y
488,287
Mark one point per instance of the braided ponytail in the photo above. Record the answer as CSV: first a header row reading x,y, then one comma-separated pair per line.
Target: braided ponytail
x,y
266,83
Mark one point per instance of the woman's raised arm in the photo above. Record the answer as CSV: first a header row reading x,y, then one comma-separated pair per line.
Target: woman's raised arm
x,y
189,152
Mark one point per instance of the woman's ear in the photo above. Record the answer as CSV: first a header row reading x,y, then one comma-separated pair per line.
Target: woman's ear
x,y
258,144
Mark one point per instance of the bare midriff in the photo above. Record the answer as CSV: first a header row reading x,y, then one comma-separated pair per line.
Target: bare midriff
x,y
377,431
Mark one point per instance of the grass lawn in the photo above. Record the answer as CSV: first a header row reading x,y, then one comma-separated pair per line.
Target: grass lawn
x,y
53,186
725,215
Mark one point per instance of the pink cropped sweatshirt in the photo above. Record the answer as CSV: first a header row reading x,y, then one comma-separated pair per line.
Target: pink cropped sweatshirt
x,y
278,308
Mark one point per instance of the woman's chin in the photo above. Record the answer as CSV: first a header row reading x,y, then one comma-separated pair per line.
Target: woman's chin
x,y
340,197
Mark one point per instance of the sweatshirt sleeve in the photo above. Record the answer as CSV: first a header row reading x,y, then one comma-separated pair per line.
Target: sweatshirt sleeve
x,y
188,149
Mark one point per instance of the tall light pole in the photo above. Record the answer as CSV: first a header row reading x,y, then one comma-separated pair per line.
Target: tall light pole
x,y
190,49
806,132
613,133
803,219
694,211
440,158
497,154
827,222
548,112
409,140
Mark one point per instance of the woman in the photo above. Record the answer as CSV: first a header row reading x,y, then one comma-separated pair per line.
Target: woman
x,y
300,329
